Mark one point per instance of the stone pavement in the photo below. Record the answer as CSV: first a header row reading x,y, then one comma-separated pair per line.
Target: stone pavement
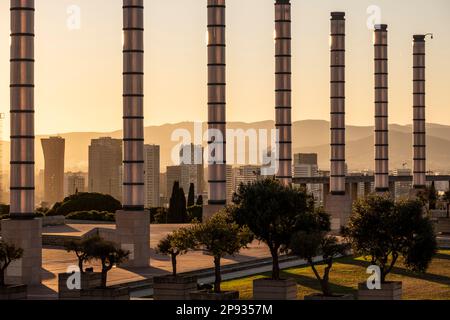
x,y
57,260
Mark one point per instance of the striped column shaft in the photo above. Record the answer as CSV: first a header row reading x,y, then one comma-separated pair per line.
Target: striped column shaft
x,y
337,48
22,109
283,90
419,113
217,102
381,109
133,105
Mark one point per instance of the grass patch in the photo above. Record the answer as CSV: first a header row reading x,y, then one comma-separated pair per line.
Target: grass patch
x,y
348,272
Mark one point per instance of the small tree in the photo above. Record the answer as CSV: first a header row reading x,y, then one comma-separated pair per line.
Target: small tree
x,y
8,253
385,230
82,249
109,255
199,201
221,236
191,196
273,212
311,243
176,244
432,196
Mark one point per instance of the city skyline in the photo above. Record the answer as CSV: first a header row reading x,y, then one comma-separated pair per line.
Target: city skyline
x,y
247,74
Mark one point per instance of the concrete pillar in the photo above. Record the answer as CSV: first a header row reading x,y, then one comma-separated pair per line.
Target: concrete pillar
x,y
419,112
381,109
337,48
283,90
133,222
23,230
216,106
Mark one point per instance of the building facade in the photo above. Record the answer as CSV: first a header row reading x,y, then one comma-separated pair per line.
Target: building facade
x,y
105,162
54,150
152,176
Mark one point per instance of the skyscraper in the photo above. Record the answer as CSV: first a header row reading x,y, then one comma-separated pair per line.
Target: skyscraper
x,y
105,161
54,150
152,175
75,183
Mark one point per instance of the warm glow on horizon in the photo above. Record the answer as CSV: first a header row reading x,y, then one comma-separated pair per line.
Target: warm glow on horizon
x,y
79,72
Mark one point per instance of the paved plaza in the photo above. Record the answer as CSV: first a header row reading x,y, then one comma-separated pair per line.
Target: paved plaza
x,y
57,260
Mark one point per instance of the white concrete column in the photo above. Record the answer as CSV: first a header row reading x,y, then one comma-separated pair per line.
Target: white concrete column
x,y
337,49
217,103
419,175
381,109
283,90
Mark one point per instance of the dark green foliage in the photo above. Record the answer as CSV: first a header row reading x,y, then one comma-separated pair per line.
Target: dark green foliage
x,y
199,201
177,205
195,213
82,249
432,196
314,242
221,236
4,209
191,196
273,212
384,230
8,253
85,202
175,244
92,216
158,215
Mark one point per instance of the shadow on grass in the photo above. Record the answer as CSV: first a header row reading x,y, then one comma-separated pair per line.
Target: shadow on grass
x,y
313,283
404,272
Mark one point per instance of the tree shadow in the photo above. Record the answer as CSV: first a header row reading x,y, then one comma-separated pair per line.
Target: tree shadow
x,y
402,271
313,283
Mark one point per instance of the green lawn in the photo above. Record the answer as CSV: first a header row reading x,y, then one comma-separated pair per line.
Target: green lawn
x,y
348,272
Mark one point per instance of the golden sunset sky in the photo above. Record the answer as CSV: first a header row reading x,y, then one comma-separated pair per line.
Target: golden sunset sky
x,y
79,72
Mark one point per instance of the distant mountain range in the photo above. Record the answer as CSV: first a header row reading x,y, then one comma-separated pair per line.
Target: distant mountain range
x,y
308,136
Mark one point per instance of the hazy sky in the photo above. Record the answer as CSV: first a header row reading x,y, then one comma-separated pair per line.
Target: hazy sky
x,y
78,72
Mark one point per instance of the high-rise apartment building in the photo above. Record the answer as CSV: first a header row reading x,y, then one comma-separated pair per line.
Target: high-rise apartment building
x,y
402,189
306,166
152,175
54,149
105,162
75,183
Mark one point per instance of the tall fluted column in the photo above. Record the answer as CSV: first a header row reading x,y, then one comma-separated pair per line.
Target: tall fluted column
x,y
337,48
133,222
419,175
217,102
381,109
22,109
133,105
283,90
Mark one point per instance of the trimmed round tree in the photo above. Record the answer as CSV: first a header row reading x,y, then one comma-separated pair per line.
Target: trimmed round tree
x,y
221,236
175,244
384,230
313,242
273,212
8,253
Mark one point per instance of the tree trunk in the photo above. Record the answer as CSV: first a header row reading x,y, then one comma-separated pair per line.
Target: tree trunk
x,y
275,263
325,283
218,277
80,265
174,265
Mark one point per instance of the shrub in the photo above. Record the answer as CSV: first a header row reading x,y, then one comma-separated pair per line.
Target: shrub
x,y
8,253
82,249
85,202
195,213
92,216
385,230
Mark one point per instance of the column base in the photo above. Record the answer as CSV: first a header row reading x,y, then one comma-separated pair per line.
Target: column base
x,y
133,234
25,234
210,209
339,207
